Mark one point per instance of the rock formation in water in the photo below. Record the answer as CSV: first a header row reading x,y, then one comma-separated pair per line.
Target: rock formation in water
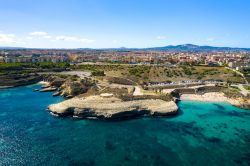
x,y
112,108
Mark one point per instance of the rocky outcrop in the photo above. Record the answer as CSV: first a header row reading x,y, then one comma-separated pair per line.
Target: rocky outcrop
x,y
48,89
56,94
54,80
240,102
70,88
13,80
244,106
67,86
112,108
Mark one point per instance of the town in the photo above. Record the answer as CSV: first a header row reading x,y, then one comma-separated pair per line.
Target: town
x,y
124,83
237,60
150,69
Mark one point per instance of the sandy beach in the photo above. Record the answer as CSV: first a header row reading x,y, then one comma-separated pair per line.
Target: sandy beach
x,y
207,97
215,97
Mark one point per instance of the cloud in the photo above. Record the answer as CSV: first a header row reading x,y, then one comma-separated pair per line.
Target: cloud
x,y
38,34
8,38
210,39
73,39
47,37
29,38
42,38
161,37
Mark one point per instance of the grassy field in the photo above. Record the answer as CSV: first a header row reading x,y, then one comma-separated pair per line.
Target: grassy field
x,y
147,73
136,73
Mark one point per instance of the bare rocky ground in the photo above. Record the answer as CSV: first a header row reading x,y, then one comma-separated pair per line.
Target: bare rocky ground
x,y
113,108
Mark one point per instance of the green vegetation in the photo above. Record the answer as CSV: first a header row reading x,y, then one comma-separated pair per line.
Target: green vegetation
x,y
118,80
42,65
93,67
232,92
51,65
236,79
245,70
152,73
22,73
234,89
98,73
247,87
139,70
187,70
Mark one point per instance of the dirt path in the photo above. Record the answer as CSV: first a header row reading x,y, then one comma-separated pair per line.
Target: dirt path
x,y
137,91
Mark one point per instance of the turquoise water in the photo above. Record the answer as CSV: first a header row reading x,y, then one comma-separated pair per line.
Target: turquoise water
x,y
203,134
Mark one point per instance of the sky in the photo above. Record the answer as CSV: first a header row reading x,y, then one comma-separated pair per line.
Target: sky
x,y
124,23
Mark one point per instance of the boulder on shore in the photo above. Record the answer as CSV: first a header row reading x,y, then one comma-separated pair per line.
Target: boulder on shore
x,y
112,108
56,94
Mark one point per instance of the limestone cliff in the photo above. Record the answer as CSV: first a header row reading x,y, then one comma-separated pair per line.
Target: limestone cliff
x,y
112,108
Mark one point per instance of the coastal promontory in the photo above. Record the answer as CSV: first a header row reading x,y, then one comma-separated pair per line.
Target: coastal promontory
x,y
109,107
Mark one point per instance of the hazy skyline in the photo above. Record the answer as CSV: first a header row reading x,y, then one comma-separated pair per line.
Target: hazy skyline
x,y
130,23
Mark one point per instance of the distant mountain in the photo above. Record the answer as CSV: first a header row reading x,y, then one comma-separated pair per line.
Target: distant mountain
x,y
11,48
195,48
182,48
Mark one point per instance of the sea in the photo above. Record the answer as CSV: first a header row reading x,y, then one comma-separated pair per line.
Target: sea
x,y
202,134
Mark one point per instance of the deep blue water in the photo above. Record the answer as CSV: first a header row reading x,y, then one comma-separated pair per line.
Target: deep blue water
x,y
203,134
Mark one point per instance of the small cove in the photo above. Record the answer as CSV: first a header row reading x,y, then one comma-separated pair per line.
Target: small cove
x,y
202,134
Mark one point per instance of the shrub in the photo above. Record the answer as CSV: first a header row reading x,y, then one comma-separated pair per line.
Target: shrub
x,y
98,73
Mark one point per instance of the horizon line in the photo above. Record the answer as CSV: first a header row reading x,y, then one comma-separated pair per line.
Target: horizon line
x,y
123,47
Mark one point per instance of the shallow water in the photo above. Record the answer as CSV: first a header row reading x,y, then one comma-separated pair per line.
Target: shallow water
x,y
203,134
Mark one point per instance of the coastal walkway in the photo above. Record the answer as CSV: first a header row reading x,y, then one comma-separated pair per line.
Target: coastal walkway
x,y
242,89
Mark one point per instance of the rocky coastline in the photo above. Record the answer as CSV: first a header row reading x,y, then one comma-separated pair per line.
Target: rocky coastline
x,y
112,108
118,107
82,104
9,81
66,87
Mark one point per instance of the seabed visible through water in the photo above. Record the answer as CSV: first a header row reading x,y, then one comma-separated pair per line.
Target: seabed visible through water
x,y
202,134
